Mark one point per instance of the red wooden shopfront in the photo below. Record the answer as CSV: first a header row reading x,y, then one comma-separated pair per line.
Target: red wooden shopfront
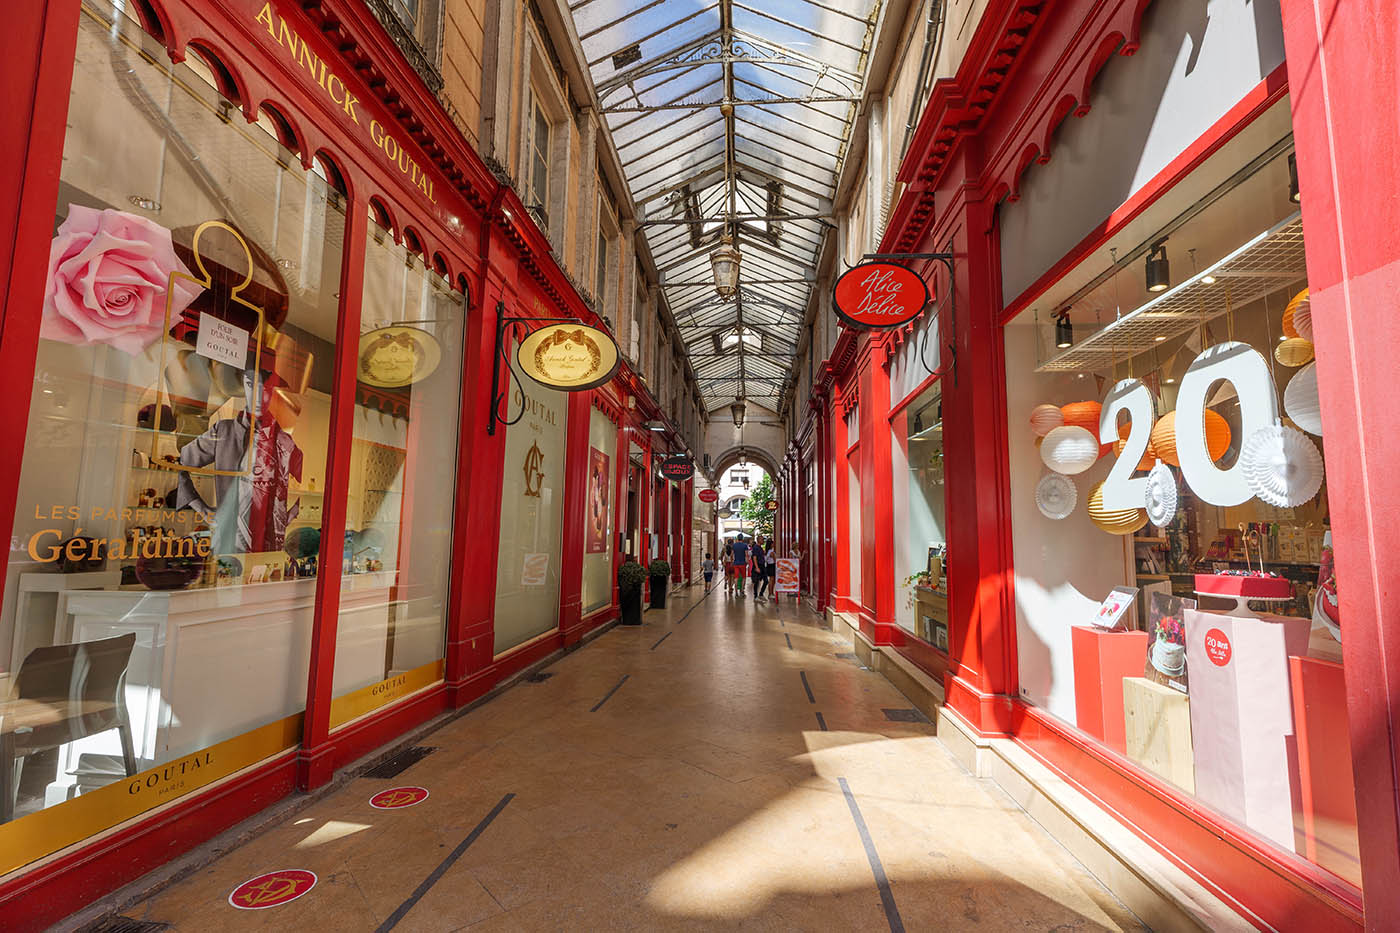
x,y
468,227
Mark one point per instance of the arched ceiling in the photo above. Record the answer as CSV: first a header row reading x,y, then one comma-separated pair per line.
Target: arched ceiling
x,y
731,115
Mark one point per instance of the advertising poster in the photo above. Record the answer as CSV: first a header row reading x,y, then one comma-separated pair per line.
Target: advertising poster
x,y
786,581
597,535
1166,640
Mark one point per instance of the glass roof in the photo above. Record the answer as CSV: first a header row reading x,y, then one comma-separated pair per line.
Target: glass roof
x,y
731,116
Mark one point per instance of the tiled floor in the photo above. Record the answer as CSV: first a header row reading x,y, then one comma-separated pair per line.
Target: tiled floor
x,y
703,794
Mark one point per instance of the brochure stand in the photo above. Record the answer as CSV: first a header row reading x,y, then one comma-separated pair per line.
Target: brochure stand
x,y
1102,658
1242,716
1157,726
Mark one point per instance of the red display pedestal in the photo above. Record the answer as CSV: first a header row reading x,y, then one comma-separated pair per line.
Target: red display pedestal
x,y
1101,660
1327,827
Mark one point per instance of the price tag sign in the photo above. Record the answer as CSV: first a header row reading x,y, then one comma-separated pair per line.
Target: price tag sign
x,y
221,341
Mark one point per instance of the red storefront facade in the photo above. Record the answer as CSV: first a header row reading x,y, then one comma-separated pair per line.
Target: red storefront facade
x,y
316,100
1043,88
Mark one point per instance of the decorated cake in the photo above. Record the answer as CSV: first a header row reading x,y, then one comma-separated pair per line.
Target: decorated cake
x,y
1246,583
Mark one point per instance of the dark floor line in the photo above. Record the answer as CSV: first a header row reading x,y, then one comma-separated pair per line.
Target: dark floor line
x,y
876,866
808,687
660,640
438,872
695,606
821,722
789,640
599,705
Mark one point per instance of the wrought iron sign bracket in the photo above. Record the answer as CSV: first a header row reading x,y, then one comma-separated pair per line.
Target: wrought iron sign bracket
x,y
946,257
503,323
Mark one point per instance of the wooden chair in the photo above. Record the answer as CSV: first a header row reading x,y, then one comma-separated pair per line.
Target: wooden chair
x,y
63,693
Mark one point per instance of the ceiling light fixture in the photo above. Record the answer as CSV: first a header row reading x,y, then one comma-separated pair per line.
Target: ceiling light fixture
x,y
724,263
1064,331
737,410
1158,270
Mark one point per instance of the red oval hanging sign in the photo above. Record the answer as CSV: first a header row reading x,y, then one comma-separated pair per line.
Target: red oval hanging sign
x,y
771,505
678,467
709,495
879,295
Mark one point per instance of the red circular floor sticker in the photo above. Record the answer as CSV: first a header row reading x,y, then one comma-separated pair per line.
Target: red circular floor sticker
x,y
272,889
1217,647
396,798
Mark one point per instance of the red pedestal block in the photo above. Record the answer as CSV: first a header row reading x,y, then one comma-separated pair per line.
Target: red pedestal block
x,y
1101,660
1328,823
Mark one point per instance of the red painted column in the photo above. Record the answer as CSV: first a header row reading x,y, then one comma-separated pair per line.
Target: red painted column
x,y
315,765
678,550
646,492
877,505
841,503
821,537
1343,68
622,469
579,405
688,526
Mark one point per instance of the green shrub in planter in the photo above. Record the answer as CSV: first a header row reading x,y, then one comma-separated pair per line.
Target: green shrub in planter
x,y
631,576
659,568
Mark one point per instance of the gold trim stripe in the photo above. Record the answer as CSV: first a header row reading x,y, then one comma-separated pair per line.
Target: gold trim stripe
x,y
368,699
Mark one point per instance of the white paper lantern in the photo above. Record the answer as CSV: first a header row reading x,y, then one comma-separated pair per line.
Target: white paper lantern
x,y
1056,496
1069,450
1281,466
1300,400
1046,418
1161,495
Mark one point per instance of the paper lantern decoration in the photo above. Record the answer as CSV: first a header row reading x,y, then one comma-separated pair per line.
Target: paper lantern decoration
x,y
1161,495
1149,456
1046,418
1300,400
1083,414
1069,449
1163,440
1113,521
1281,466
1295,351
1056,495
1298,316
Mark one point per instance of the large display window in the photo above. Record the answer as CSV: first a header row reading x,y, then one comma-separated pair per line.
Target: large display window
x,y
601,512
1174,589
920,528
396,564
532,513
156,626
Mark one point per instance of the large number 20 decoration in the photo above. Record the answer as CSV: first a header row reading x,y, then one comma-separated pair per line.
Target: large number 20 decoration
x,y
1120,490
1246,369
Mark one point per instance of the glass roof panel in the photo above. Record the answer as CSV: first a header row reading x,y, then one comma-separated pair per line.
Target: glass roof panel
x,y
661,69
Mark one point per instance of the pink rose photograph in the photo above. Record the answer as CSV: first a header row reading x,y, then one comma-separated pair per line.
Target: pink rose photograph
x,y
108,275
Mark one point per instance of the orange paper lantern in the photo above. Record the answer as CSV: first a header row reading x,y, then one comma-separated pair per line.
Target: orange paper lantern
x,y
1149,456
1163,440
1085,415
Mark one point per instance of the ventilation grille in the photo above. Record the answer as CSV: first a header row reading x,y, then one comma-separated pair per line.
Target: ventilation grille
x,y
119,924
398,764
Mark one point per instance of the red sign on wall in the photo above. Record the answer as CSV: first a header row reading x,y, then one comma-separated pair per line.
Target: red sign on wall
x,y
709,495
879,295
1218,647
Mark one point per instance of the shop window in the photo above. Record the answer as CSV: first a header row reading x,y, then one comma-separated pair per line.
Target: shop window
x,y
1165,457
537,142
601,513
532,512
157,622
397,558
920,528
278,127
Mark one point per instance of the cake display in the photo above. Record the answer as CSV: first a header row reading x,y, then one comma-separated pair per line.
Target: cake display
x,y
1246,584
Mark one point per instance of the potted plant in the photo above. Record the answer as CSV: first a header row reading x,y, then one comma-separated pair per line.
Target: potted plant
x,y
660,573
630,577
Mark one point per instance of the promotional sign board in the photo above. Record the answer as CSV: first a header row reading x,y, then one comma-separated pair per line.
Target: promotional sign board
x,y
709,495
569,356
678,467
771,505
786,581
879,295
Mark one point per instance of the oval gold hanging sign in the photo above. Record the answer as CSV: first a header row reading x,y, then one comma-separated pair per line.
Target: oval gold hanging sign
x,y
396,356
568,356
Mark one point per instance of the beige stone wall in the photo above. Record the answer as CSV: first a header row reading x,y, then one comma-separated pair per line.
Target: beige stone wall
x,y
463,34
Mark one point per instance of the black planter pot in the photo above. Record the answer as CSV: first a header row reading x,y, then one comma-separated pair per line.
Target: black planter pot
x,y
631,603
659,585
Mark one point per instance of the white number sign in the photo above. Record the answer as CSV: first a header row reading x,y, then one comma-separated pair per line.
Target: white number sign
x,y
1246,369
1120,490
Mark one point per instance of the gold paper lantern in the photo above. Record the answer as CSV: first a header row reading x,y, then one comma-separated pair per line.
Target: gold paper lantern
x,y
1295,351
1289,329
1297,317
1163,441
1149,456
1114,521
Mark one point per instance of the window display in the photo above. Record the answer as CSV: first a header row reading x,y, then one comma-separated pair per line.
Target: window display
x,y
391,635
1165,439
159,597
601,512
920,530
532,512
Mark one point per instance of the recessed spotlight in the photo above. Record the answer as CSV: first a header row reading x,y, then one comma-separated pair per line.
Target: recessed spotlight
x,y
1208,279
1159,338
146,204
1282,337
1170,380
